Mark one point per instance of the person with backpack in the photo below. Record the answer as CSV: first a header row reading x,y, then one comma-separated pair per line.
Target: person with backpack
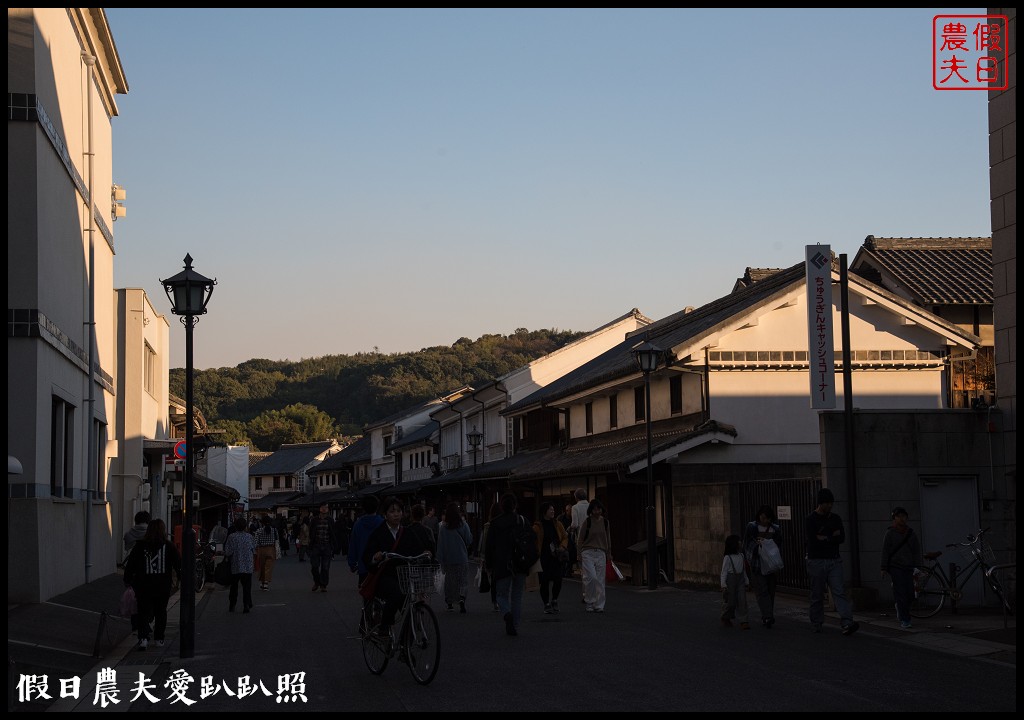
x,y
508,559
595,550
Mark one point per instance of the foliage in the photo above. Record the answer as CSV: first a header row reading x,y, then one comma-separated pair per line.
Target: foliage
x,y
265,403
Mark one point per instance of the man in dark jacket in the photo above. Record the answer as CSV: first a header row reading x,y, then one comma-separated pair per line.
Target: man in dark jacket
x,y
498,561
323,543
824,533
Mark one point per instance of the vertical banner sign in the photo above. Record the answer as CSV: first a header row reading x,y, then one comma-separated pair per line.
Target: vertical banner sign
x,y
820,345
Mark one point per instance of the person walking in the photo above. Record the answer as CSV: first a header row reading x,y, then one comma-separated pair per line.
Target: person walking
x,y
148,570
362,528
824,534
266,551
565,519
552,543
901,553
136,532
302,536
323,543
594,547
282,534
495,512
510,581
453,540
240,551
755,534
430,520
734,583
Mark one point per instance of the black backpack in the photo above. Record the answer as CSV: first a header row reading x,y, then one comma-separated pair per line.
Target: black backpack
x,y
524,547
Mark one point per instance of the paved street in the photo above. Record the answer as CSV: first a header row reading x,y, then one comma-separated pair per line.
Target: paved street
x,y
657,651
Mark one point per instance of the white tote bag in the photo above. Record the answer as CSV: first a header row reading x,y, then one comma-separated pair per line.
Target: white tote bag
x,y
771,557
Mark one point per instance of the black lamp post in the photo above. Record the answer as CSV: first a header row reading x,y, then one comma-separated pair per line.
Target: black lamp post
x,y
474,437
189,292
647,356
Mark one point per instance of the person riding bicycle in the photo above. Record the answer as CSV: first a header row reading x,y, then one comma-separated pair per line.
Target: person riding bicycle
x,y
901,553
392,537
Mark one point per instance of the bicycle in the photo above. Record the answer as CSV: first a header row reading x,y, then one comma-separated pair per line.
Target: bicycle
x,y
419,639
932,586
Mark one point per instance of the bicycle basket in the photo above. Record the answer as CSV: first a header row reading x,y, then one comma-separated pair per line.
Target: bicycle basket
x,y
416,579
988,555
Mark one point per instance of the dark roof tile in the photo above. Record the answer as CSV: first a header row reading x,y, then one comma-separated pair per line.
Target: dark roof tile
x,y
934,271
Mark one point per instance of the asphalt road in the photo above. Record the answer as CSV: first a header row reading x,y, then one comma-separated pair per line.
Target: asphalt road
x,y
660,651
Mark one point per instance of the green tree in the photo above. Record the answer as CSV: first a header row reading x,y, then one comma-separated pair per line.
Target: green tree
x,y
296,423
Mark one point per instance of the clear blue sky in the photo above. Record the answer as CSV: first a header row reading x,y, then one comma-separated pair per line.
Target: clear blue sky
x,y
398,179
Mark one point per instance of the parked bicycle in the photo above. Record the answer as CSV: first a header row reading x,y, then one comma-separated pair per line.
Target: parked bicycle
x,y
419,639
932,585
204,565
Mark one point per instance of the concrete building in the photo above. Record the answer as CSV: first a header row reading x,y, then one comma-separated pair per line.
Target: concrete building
x,y
63,76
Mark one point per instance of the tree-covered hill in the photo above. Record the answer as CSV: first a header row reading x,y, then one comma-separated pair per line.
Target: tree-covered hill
x,y
264,403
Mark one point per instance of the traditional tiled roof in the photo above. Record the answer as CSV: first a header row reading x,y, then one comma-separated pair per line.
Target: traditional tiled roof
x,y
256,456
754,275
419,436
273,500
689,326
616,452
217,488
290,458
933,271
357,452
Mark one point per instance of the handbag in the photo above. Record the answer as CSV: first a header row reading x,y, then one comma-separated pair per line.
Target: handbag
x,y
771,557
222,573
611,573
368,587
277,551
483,580
129,605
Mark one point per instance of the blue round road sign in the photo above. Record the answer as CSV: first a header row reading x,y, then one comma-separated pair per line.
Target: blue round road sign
x,y
179,450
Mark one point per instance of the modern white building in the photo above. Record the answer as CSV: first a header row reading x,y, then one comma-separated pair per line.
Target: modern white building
x,y
63,76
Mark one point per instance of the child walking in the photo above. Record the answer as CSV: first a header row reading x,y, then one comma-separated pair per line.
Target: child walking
x,y
734,584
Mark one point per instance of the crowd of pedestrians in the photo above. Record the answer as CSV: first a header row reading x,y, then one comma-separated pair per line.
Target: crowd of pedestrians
x,y
578,539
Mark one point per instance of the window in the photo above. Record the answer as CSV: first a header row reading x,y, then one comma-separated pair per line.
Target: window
x,y
387,444
613,411
62,436
259,483
98,480
288,482
149,369
675,391
589,409
638,403
277,482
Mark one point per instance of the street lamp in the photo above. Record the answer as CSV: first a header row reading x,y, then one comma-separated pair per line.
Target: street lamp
x,y
474,437
189,292
647,356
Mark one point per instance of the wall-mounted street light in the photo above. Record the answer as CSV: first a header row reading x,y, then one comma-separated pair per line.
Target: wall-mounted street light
x,y
647,357
189,292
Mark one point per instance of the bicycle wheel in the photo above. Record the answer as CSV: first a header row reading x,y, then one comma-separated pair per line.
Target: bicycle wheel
x,y
997,588
375,641
200,575
929,594
422,644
